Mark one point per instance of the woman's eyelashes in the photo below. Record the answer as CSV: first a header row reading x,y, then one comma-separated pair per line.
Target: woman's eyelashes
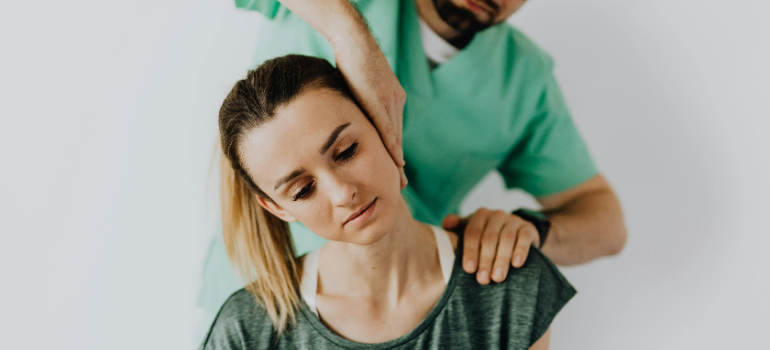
x,y
347,153
304,191
343,156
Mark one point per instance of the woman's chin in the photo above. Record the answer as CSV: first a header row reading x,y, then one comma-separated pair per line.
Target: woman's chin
x,y
377,225
372,233
368,235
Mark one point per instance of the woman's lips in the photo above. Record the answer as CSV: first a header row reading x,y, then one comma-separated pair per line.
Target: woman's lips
x,y
362,214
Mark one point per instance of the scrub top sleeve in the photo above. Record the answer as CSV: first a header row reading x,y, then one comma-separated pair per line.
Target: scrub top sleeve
x,y
551,157
269,8
554,291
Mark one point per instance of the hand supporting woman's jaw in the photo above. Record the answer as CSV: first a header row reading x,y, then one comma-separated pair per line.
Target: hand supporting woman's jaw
x,y
321,162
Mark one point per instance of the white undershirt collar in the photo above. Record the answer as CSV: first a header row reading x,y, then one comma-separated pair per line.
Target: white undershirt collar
x,y
436,48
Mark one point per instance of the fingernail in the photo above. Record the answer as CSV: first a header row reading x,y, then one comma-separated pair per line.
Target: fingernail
x,y
517,261
470,266
484,275
498,273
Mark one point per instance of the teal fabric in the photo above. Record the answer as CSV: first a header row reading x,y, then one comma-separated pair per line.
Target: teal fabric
x,y
269,8
513,315
494,106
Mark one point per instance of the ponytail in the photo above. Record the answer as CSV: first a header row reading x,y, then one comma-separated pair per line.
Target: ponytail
x,y
260,249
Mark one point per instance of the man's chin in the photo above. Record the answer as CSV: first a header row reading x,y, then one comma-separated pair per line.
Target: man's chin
x,y
462,19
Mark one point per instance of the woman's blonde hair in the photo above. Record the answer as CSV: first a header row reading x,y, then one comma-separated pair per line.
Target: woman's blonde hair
x,y
259,245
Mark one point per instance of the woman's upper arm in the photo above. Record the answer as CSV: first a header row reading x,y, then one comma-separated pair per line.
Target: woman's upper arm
x,y
543,342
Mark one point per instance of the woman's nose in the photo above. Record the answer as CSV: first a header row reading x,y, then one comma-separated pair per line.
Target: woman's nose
x,y
342,193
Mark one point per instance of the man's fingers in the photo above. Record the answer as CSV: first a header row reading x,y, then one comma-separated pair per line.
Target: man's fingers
x,y
472,240
404,180
524,240
383,121
399,121
386,129
400,161
451,221
390,123
504,252
489,241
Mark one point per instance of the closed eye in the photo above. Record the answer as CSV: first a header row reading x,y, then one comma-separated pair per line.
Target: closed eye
x,y
347,153
304,192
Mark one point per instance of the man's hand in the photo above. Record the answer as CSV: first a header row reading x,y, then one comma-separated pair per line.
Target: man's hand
x,y
373,83
493,241
377,90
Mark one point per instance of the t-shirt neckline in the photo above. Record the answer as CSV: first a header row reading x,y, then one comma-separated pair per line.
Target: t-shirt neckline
x,y
324,331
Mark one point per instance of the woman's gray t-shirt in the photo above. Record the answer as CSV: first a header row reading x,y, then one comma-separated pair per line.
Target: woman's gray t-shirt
x,y
513,314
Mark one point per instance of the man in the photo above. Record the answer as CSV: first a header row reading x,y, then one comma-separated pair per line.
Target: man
x,y
481,97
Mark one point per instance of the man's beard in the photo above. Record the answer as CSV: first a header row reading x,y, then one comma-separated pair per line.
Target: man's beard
x,y
463,20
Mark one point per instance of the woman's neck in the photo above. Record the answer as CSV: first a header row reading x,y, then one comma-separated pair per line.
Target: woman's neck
x,y
384,271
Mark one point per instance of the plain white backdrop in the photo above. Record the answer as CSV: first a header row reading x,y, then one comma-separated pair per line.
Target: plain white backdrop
x,y
107,125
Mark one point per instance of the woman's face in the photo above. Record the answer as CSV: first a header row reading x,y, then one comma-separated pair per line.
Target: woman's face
x,y
323,163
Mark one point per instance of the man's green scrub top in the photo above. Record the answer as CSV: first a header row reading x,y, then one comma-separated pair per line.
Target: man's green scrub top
x,y
494,106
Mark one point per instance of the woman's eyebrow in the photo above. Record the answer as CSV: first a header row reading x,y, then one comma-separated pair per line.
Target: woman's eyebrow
x,y
289,177
332,138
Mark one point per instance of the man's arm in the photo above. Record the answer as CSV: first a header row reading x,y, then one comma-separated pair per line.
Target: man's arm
x,y
363,65
586,223
336,20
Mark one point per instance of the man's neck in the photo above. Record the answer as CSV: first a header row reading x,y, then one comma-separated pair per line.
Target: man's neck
x,y
384,270
427,11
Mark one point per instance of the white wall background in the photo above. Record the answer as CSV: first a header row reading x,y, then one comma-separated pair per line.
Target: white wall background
x,y
107,123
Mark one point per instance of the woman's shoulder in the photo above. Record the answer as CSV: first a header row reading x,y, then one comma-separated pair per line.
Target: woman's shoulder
x,y
240,318
553,292
242,303
528,299
551,284
537,278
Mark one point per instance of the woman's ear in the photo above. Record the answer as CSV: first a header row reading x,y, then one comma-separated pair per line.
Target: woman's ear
x,y
275,209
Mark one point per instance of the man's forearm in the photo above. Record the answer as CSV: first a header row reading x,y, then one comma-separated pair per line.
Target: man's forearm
x,y
337,20
586,227
364,66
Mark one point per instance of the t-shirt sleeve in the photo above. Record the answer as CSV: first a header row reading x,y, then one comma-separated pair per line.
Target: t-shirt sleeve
x,y
223,336
551,156
240,324
269,8
553,292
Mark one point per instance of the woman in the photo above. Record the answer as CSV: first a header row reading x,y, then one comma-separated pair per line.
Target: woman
x,y
299,148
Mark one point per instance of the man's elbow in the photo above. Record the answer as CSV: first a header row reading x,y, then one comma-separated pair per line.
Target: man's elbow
x,y
616,234
616,240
